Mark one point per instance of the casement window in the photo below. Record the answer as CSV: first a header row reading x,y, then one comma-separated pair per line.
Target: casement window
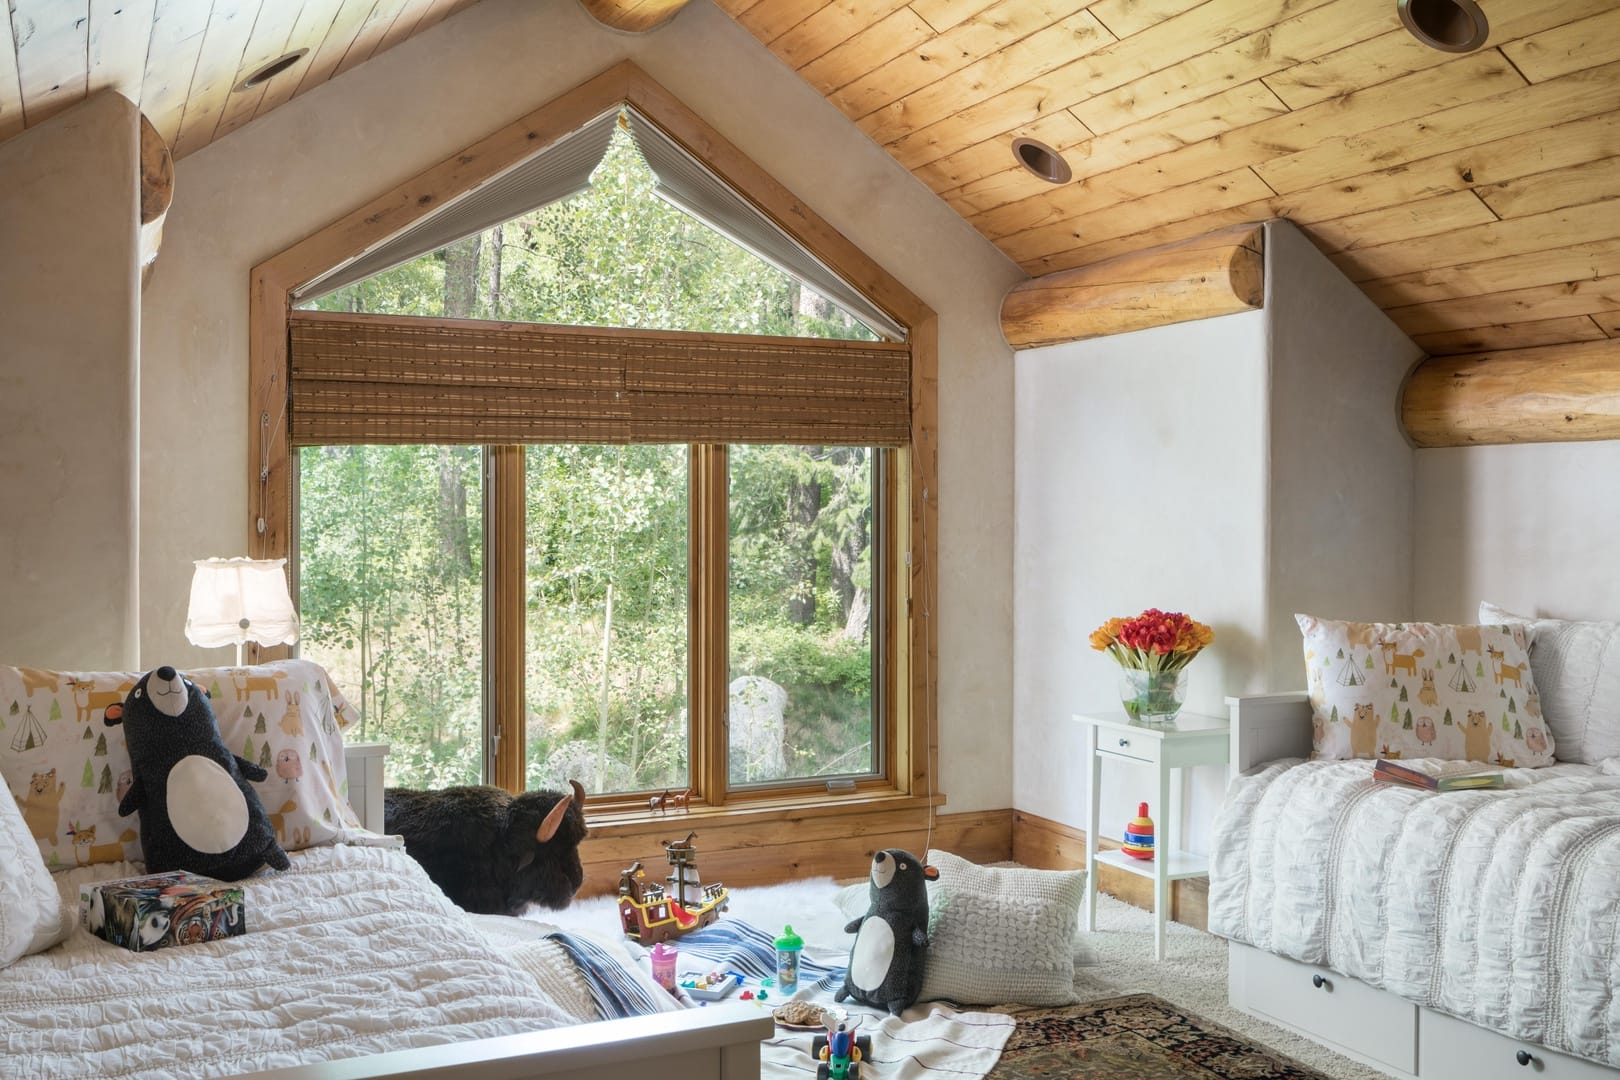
x,y
647,559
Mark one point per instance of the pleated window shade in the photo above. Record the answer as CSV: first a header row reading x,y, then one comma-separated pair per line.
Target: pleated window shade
x,y
364,379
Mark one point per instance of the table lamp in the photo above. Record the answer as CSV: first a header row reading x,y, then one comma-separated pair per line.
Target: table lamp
x,y
239,600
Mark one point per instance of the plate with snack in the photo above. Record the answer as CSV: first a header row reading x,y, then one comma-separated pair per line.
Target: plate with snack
x,y
807,1015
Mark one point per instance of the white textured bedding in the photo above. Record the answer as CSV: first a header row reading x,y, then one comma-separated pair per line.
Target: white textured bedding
x,y
1499,907
351,952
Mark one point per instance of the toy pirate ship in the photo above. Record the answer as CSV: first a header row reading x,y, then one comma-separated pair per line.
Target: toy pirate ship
x,y
652,913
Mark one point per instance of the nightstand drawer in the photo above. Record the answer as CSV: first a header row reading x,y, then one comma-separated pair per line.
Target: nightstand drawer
x,y
1130,747
1451,1049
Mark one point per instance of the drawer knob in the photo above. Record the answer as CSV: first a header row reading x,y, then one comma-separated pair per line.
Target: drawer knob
x,y
1124,742
1318,982
1523,1057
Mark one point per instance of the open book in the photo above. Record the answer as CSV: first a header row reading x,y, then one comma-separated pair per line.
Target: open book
x,y
1436,775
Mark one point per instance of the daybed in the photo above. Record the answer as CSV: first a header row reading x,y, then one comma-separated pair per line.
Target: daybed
x,y
355,963
1469,934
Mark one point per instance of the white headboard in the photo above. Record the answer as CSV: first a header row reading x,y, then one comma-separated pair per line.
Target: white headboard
x,y
1266,727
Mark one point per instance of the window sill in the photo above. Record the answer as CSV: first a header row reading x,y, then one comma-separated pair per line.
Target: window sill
x,y
785,809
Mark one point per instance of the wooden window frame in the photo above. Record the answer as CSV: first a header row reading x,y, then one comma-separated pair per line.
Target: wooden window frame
x,y
910,552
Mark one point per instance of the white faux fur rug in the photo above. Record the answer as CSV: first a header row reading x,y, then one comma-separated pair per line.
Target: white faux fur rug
x,y
1116,960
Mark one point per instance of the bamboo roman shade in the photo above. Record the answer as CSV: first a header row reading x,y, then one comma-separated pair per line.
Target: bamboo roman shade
x,y
363,379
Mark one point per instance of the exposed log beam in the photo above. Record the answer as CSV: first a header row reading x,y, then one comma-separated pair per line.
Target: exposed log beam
x,y
1216,274
634,16
157,191
1557,393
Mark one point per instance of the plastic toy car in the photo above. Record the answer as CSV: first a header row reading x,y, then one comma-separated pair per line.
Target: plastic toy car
x,y
840,1052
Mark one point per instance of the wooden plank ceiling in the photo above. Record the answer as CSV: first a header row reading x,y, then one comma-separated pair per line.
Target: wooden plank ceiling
x,y
181,60
1473,197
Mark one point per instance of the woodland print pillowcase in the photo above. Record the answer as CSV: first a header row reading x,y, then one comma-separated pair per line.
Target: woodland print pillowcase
x,y
1412,690
68,771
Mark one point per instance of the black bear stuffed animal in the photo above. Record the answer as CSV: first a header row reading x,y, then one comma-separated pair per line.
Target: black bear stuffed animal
x,y
891,939
493,852
197,811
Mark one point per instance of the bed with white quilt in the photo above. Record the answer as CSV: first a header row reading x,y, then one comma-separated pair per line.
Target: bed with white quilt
x,y
353,964
1458,934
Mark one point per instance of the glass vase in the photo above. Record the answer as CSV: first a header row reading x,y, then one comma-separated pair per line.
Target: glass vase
x,y
1152,697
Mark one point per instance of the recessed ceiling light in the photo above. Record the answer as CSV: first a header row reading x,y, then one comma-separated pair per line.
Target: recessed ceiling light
x,y
1042,160
272,69
1448,25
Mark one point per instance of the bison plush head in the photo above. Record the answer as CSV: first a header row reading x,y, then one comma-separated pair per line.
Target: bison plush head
x,y
493,852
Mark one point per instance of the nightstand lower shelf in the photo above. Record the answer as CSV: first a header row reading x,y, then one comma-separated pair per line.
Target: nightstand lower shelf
x,y
1183,864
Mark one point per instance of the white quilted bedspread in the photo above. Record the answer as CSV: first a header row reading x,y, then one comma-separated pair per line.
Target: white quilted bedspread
x,y
353,951
1499,907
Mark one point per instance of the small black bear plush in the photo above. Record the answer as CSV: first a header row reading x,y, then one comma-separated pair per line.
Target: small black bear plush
x,y
891,939
197,811
492,852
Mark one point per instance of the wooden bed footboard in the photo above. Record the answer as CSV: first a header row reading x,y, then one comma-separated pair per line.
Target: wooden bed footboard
x,y
720,1042
1266,727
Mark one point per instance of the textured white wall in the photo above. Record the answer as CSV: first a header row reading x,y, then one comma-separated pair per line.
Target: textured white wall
x,y
1533,528
70,309
268,185
1239,469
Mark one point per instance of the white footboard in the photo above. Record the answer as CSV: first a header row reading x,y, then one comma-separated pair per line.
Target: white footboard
x,y
719,1042
1266,727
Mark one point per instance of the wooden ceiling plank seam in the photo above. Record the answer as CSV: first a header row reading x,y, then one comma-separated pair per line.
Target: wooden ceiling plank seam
x,y
439,10
323,61
735,8
1515,112
1573,185
1301,37
999,93
770,19
1510,236
372,30
51,39
1199,120
943,15
315,21
897,33
272,30
1415,95
1568,299
230,27
1598,259
1126,17
119,37
991,157
404,26
1407,221
1366,63
1524,335
1237,187
11,101
178,27
996,27
1455,170
1574,46
829,27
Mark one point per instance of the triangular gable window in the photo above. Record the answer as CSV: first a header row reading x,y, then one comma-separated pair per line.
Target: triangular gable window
x,y
569,167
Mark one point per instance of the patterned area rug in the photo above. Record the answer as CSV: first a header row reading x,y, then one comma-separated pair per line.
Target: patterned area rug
x,y
1139,1036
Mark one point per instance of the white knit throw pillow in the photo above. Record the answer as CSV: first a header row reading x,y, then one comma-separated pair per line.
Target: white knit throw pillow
x,y
30,907
1001,935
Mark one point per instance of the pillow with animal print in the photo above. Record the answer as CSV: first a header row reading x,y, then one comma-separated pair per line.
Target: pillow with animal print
x,y
1423,690
68,770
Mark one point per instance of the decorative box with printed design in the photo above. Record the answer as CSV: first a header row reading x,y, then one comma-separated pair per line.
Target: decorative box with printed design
x,y
159,910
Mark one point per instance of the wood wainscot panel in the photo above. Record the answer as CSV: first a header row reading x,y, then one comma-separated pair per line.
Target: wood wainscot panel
x,y
770,847
1050,845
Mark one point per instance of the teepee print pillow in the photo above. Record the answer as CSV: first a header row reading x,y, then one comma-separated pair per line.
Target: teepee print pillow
x,y
68,771
1423,690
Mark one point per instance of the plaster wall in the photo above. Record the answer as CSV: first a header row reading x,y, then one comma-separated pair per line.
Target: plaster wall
x,y
1239,469
70,306
275,181
1533,528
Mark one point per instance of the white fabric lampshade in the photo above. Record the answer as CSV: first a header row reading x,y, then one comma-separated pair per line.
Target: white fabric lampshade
x,y
228,593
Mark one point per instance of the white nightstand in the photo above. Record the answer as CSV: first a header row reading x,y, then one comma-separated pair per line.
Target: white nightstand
x,y
1191,740
364,762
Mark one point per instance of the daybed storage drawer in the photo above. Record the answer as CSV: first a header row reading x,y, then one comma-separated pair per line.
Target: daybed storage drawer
x,y
1369,1023
1452,1049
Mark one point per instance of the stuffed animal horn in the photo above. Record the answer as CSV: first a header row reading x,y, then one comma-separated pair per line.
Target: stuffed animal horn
x,y
548,827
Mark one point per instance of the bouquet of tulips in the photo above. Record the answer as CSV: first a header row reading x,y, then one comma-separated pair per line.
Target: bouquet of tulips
x,y
1155,641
